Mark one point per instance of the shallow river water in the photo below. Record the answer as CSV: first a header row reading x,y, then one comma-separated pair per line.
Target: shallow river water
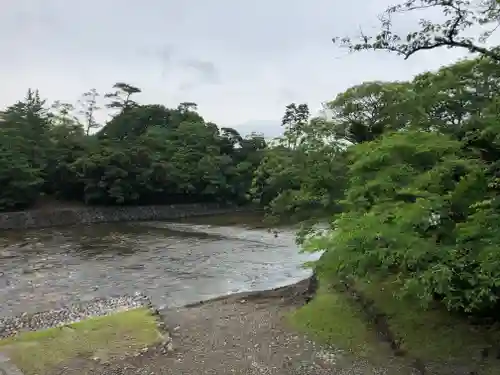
x,y
172,263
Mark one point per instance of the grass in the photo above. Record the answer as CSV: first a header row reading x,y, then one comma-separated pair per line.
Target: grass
x,y
432,335
332,319
105,337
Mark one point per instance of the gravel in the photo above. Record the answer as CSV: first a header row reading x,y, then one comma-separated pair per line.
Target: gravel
x,y
10,326
244,334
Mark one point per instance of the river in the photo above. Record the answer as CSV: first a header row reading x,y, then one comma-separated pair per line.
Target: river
x,y
173,263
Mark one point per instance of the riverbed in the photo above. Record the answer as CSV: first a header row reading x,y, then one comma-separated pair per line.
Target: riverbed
x,y
172,263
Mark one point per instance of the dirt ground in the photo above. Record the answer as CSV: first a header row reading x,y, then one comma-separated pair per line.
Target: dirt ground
x,y
241,334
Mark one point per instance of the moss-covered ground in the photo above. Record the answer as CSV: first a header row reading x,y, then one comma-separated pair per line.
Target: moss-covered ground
x,y
442,341
105,338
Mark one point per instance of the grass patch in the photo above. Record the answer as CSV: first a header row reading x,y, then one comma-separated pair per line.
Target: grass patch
x,y
105,337
432,334
331,318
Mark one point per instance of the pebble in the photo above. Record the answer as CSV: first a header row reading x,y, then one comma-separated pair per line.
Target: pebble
x,y
10,326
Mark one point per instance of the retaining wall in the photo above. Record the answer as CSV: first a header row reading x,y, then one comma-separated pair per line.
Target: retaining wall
x,y
91,215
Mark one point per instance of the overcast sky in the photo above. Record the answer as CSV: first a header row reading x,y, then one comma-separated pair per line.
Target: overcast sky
x,y
241,61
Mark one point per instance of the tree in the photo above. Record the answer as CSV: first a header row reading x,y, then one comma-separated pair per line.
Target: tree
x,y
21,181
145,154
449,97
187,106
88,102
294,120
409,198
121,97
418,185
460,17
31,119
135,121
366,111
302,176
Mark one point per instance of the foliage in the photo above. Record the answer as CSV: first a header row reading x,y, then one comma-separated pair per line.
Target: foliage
x,y
409,196
145,154
414,169
20,181
364,112
460,17
89,109
303,175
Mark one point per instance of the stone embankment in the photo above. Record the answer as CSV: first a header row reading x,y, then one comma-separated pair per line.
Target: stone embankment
x,y
91,215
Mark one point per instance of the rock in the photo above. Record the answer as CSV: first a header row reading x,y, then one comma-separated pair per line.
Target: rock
x,y
312,288
170,347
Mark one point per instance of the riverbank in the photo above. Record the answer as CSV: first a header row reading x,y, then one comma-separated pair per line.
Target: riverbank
x,y
277,332
65,216
247,333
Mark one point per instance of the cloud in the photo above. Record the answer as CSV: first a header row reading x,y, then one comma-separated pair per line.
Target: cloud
x,y
206,69
173,62
162,55
241,62
286,94
205,73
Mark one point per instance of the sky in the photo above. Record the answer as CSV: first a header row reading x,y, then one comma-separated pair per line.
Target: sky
x,y
241,62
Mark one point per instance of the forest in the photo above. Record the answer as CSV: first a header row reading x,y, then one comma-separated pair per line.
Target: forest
x,y
408,175
144,154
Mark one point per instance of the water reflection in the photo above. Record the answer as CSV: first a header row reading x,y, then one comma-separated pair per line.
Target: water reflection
x,y
173,263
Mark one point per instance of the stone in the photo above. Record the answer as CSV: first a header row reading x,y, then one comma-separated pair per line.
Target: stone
x,y
88,215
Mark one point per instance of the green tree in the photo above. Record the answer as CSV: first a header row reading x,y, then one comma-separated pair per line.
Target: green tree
x,y
121,97
294,120
302,176
31,118
409,197
145,154
21,181
366,111
67,143
450,97
187,106
88,110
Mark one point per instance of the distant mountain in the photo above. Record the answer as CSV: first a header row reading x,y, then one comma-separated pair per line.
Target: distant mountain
x,y
269,128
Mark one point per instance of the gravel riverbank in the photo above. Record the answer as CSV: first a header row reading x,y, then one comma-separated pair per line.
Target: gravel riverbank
x,y
246,333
